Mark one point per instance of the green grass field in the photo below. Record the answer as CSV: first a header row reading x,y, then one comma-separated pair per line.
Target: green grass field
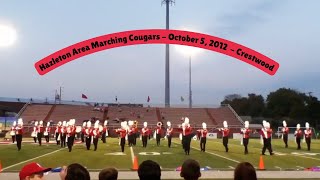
x,y
169,158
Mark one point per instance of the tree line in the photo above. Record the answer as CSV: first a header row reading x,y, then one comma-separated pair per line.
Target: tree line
x,y
283,104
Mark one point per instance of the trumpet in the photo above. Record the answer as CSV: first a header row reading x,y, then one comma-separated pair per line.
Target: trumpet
x,y
159,124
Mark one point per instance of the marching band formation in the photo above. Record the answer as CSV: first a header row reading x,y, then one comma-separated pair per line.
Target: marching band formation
x,y
65,134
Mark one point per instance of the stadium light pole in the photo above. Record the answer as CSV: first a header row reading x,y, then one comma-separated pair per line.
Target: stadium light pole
x,y
167,64
189,51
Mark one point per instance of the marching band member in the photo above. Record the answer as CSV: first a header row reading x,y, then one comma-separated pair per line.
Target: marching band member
x,y
266,133
47,132
88,135
34,132
298,134
63,134
308,135
70,133
285,132
74,131
130,133
187,135
19,131
13,131
96,135
169,133
245,136
57,133
123,133
83,131
135,132
104,131
225,135
203,137
158,132
40,131
145,134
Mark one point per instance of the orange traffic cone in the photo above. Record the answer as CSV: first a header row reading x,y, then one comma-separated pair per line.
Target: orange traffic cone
x,y
261,164
135,165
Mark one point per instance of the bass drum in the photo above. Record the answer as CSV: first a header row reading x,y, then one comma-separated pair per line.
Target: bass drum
x,y
33,134
78,129
100,128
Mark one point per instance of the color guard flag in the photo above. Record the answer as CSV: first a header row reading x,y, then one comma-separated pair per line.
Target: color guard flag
x,y
148,99
84,96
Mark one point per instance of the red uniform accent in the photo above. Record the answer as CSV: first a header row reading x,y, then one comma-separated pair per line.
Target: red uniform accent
x,y
225,132
298,133
88,131
246,133
131,131
19,130
169,131
97,132
40,129
187,131
285,130
13,128
308,133
122,132
145,131
158,130
203,133
269,133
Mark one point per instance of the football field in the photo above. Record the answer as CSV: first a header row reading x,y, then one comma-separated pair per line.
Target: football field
x,y
109,155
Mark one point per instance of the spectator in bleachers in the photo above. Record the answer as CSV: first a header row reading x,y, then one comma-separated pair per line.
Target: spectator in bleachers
x,y
149,170
190,170
245,171
108,174
33,171
74,171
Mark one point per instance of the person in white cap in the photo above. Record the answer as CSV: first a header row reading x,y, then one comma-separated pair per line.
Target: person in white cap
x,y
19,132
308,135
145,132
123,133
186,135
34,132
40,130
47,132
298,134
245,136
13,131
130,133
266,133
285,132
88,135
58,132
104,131
83,131
169,133
225,135
203,136
63,134
96,134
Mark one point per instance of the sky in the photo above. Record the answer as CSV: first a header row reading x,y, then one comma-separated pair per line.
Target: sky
x,y
285,31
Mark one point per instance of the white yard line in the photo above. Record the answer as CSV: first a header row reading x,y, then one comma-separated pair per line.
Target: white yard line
x,y
32,159
300,167
214,154
277,167
231,167
132,154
